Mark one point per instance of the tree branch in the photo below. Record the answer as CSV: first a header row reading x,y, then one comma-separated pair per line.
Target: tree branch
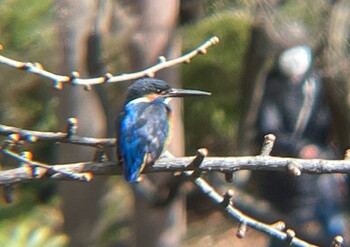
x,y
191,167
218,164
74,79
225,203
63,137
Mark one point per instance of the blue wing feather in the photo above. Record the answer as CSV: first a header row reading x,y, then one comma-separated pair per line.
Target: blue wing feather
x,y
142,133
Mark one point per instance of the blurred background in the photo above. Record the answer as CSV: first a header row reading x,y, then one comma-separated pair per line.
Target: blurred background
x,y
95,37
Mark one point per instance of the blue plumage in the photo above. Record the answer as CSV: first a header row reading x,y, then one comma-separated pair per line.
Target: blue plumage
x,y
143,126
143,132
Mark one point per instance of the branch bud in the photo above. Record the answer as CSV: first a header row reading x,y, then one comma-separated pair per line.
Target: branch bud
x,y
38,66
229,177
293,169
15,137
242,229
290,234
337,241
269,141
202,51
279,225
87,88
87,176
227,198
31,138
162,59
214,40
57,85
150,74
107,76
72,127
347,154
74,75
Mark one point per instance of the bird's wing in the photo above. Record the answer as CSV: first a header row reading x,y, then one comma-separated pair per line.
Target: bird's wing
x,y
118,125
142,135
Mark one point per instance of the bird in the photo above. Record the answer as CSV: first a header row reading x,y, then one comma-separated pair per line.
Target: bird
x,y
144,124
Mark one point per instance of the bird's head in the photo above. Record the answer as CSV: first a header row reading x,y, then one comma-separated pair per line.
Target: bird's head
x,y
154,88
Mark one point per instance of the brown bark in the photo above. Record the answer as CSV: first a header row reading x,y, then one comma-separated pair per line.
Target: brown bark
x,y
336,64
155,36
79,200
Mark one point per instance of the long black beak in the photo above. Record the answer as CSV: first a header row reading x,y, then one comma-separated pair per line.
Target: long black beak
x,y
186,92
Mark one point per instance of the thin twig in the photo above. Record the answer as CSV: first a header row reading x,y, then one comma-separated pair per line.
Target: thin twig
x,y
242,218
34,172
32,136
74,79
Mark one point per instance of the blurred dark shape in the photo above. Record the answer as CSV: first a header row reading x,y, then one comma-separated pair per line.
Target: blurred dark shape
x,y
294,108
192,11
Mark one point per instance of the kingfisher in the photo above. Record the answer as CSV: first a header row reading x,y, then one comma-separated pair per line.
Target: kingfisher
x,y
144,124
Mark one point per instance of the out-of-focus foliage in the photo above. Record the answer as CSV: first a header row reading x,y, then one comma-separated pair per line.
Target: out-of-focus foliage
x,y
26,234
27,101
214,119
26,32
114,224
22,25
31,233
309,13
25,222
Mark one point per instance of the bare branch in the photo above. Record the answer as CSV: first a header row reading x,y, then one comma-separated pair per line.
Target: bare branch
x,y
225,203
32,136
191,167
270,163
74,79
219,164
245,220
31,167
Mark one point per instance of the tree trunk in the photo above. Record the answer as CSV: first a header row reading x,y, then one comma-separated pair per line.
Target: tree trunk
x,y
80,201
155,36
337,64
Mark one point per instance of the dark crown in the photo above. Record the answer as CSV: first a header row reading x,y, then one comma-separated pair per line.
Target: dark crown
x,y
145,86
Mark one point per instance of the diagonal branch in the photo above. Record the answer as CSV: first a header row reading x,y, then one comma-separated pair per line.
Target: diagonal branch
x,y
245,220
74,79
225,203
